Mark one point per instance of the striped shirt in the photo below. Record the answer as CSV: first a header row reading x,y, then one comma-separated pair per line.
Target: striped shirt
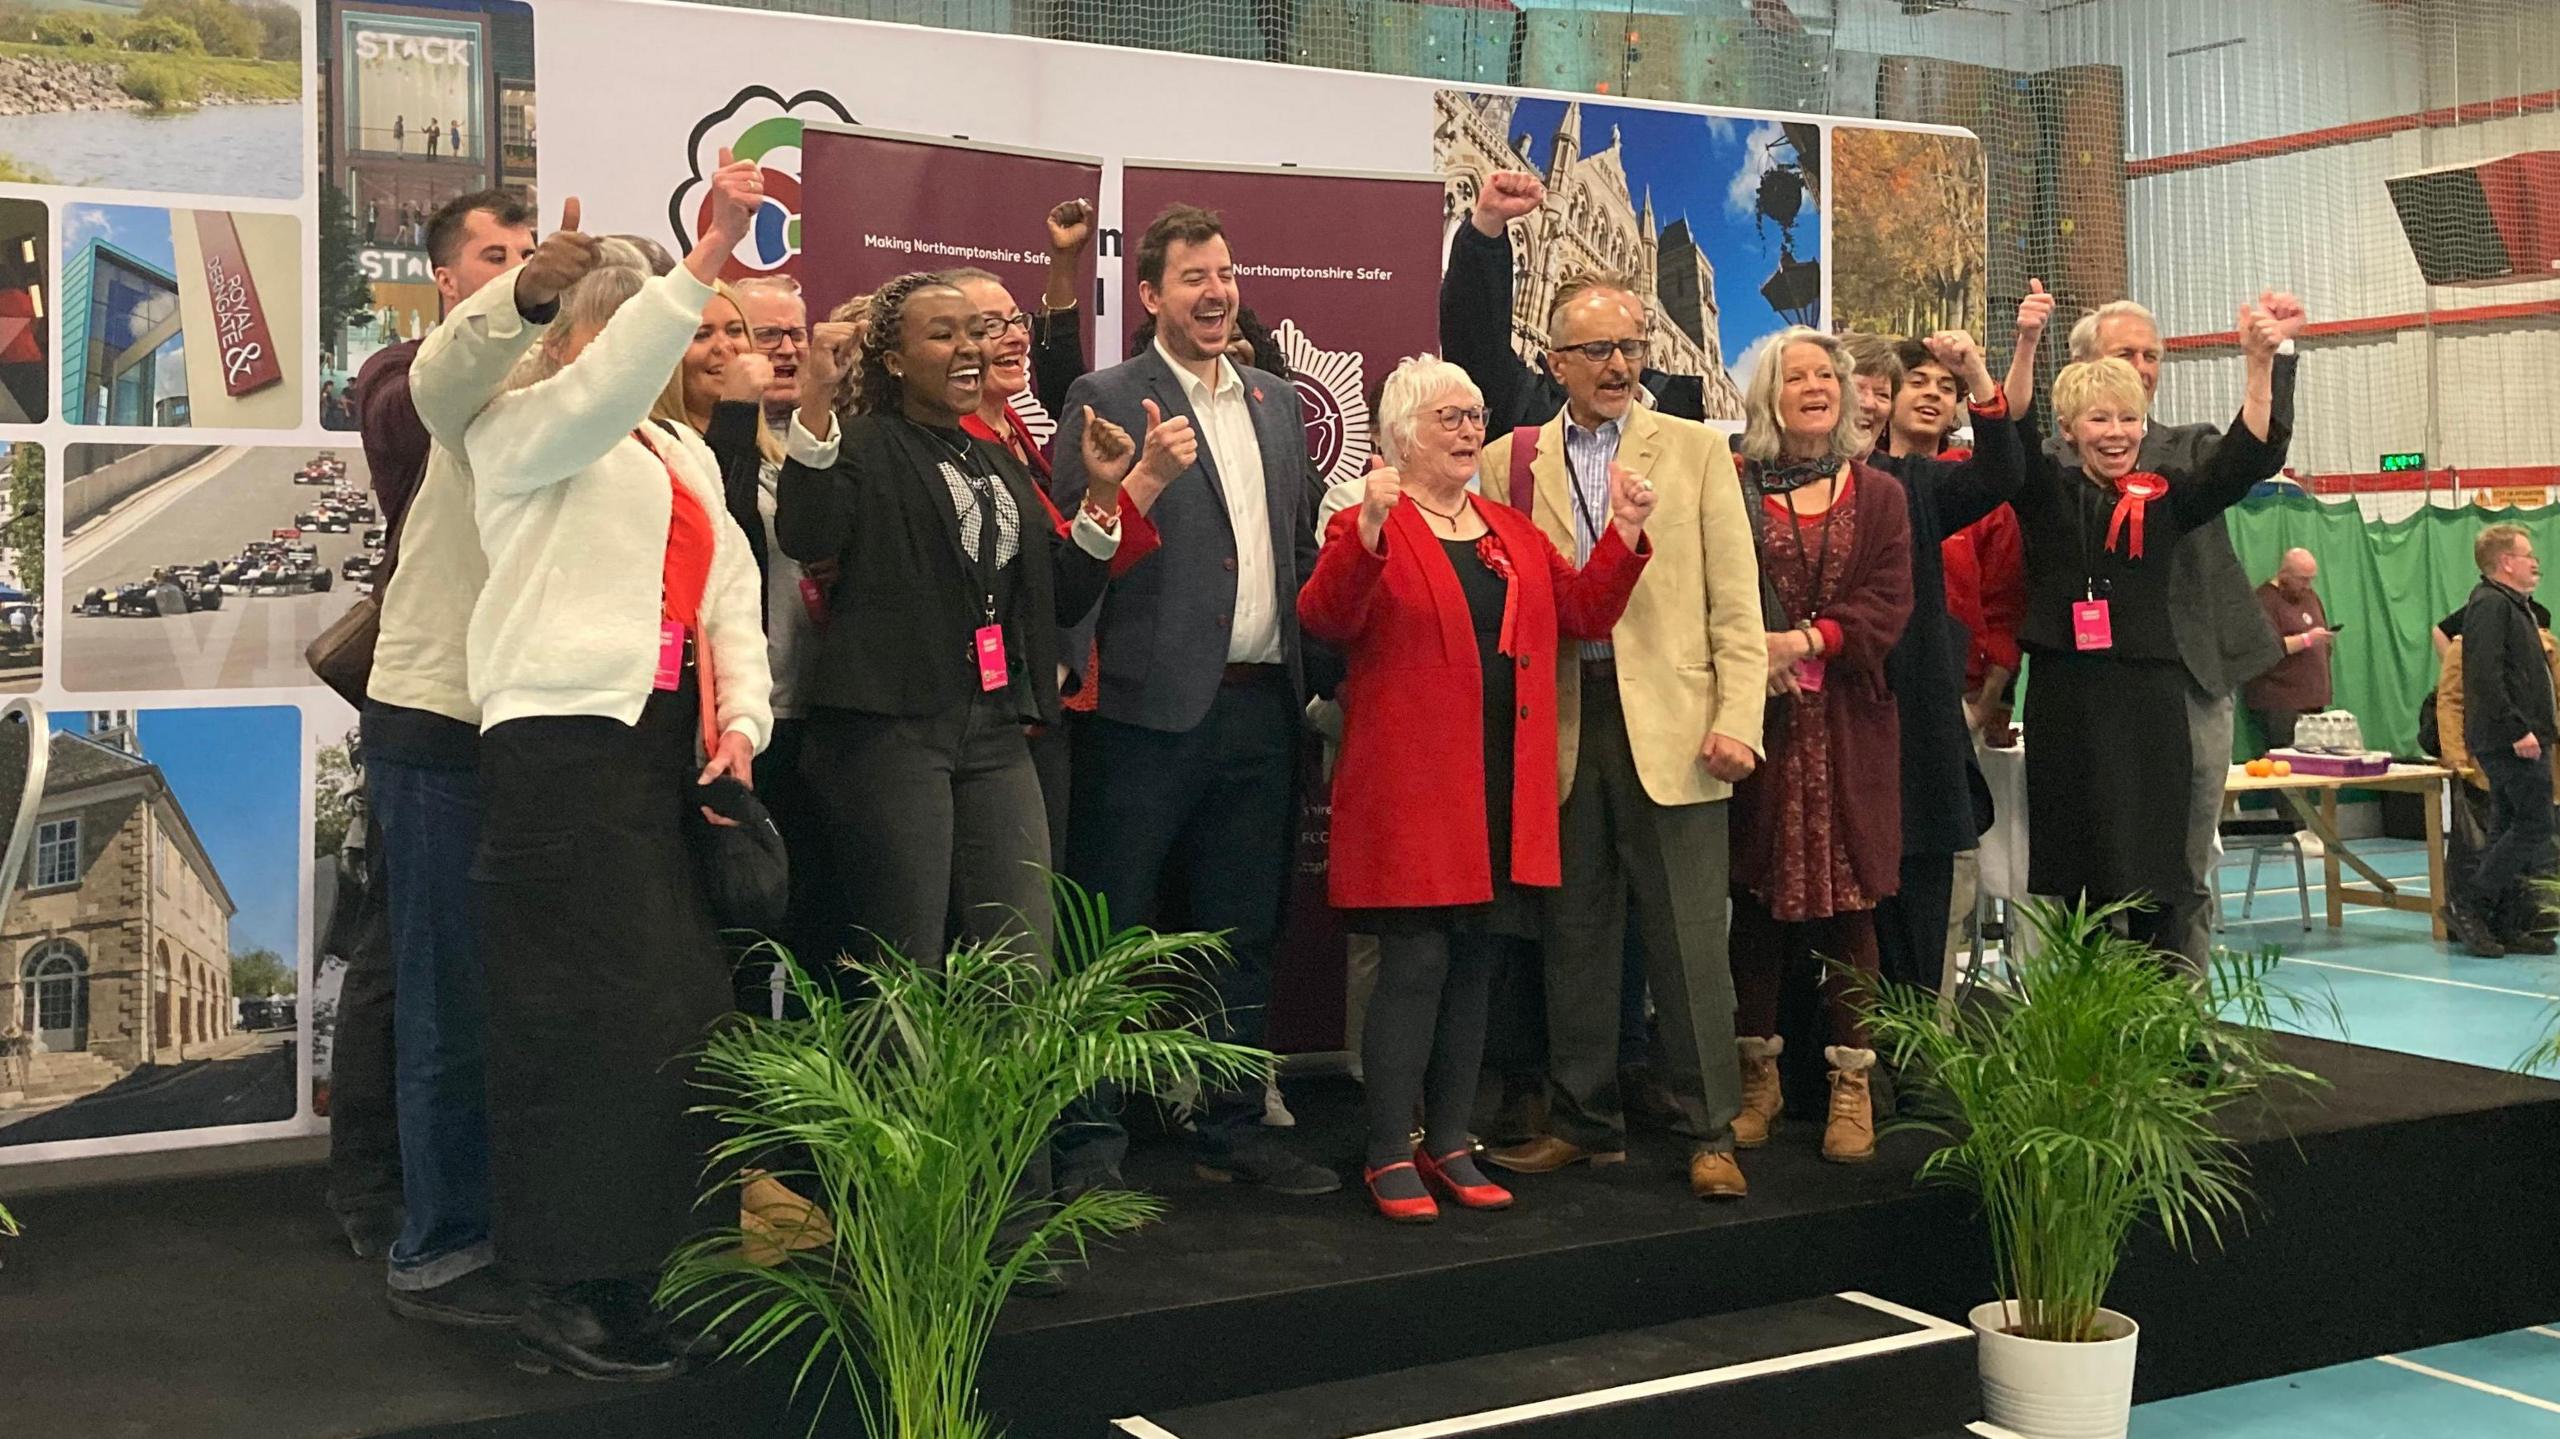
x,y
1587,457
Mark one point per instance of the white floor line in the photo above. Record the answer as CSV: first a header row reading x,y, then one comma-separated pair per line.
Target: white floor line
x,y
2396,1362
2545,1332
2420,978
1988,1430
1906,1315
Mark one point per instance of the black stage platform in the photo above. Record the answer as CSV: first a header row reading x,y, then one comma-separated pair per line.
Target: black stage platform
x,y
2404,1207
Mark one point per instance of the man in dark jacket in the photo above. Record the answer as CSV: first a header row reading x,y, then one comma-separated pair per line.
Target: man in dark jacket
x,y
2508,719
1476,296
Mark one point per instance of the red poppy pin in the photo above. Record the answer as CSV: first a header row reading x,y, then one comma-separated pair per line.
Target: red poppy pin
x,y
1257,394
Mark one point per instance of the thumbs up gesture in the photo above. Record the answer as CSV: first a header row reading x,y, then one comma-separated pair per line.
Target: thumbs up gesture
x,y
561,260
1380,493
1171,446
737,192
2035,311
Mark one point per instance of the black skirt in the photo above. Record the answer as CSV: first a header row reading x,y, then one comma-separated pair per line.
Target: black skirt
x,y
2107,776
605,976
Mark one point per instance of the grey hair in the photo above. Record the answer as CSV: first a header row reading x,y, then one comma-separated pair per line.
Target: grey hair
x,y
2084,335
1416,382
779,287
1763,439
620,271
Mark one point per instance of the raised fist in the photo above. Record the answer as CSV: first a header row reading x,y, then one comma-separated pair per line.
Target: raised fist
x,y
1631,500
1070,227
1507,195
748,375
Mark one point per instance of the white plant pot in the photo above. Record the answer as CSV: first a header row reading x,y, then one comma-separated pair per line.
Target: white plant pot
x,y
2041,1389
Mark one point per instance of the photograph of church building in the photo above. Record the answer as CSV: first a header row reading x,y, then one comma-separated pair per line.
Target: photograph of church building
x,y
1712,220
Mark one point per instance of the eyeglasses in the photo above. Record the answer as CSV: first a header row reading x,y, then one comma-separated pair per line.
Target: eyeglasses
x,y
1458,417
987,326
771,337
1599,351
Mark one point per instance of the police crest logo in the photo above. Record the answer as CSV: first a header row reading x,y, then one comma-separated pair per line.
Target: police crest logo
x,y
1333,395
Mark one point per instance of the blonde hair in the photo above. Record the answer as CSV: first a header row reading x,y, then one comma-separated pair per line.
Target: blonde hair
x,y
2085,383
1763,438
2084,335
620,271
1416,382
856,312
670,405
2495,544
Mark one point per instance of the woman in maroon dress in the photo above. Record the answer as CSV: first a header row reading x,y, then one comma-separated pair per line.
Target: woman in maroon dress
x,y
1818,835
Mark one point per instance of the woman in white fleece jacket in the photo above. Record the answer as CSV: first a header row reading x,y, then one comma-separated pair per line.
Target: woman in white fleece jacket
x,y
613,568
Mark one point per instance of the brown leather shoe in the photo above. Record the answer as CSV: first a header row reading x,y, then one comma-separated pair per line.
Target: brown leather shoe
x,y
1546,1154
1714,1174
1849,1137
1762,1097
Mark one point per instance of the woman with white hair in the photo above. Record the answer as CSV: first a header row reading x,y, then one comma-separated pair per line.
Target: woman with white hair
x,y
1448,609
618,629
1817,836
2107,749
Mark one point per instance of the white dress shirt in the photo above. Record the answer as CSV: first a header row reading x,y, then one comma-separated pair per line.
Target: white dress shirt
x,y
1225,419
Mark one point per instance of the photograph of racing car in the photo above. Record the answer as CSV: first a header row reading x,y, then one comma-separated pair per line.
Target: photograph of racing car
x,y
199,567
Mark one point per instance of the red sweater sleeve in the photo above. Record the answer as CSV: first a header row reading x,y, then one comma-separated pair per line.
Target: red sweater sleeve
x,y
2000,560
1589,601
1334,604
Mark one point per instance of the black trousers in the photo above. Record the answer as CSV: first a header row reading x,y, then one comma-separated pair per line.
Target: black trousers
x,y
605,975
1423,1039
2519,829
937,824
1216,802
813,923
1052,757
1911,926
364,1116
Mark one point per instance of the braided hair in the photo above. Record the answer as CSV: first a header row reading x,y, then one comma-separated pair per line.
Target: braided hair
x,y
875,389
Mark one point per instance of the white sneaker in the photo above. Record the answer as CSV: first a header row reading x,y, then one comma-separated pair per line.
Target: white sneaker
x,y
1275,1114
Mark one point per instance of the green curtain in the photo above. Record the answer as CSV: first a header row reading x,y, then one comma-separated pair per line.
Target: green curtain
x,y
2387,584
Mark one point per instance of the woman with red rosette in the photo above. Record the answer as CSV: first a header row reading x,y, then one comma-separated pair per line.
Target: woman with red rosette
x,y
1448,610
2106,704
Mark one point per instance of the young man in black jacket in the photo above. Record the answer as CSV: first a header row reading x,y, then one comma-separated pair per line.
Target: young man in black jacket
x,y
2509,720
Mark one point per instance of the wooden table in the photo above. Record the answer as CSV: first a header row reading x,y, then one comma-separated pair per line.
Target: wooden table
x,y
2296,790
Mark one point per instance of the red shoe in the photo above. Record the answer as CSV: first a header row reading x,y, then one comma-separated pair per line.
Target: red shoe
x,y
1468,1196
1420,1210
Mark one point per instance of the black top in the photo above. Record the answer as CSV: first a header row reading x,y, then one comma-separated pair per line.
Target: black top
x,y
2451,625
2506,682
732,439
1508,911
910,597
2063,517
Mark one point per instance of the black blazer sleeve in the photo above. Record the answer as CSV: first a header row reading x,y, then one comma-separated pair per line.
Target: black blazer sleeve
x,y
1067,479
1475,326
1972,488
1057,359
812,511
732,438
2493,714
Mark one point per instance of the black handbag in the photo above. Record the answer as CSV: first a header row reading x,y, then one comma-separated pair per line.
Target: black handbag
x,y
745,871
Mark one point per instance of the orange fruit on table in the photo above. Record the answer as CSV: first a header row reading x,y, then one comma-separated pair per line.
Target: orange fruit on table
x,y
2258,769
2283,767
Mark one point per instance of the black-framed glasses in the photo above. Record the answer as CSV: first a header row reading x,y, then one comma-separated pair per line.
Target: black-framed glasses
x,y
987,325
772,337
1599,351
1457,417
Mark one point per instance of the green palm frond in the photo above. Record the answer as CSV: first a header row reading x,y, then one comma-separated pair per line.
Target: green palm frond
x,y
2091,1106
911,1113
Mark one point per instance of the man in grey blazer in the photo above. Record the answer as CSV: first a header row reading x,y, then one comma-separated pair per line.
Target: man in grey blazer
x,y
1188,764
2221,633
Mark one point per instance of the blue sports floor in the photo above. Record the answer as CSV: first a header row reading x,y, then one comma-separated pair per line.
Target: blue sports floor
x,y
2396,988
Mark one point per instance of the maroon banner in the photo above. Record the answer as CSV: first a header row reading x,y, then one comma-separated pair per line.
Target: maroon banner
x,y
1345,269
248,351
876,204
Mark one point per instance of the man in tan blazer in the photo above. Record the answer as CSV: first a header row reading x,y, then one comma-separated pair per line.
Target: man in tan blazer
x,y
1655,727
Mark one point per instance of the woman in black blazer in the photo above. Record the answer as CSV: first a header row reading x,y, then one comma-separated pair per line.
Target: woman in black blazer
x,y
941,637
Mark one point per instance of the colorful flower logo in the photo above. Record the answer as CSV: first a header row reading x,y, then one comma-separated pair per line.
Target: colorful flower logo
x,y
757,124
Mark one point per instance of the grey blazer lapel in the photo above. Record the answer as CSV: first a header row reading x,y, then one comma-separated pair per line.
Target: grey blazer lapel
x,y
1279,427
1165,388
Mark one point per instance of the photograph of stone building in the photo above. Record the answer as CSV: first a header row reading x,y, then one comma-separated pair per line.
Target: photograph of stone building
x,y
118,952
1713,220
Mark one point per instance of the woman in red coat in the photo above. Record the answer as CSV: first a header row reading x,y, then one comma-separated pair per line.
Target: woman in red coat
x,y
1448,609
1818,829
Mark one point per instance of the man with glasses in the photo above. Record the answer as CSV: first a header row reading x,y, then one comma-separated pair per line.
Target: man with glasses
x,y
778,322
1476,296
1654,728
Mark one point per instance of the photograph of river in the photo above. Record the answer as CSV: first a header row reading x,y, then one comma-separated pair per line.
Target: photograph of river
x,y
206,101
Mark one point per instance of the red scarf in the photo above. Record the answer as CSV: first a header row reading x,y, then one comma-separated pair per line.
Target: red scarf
x,y
2134,494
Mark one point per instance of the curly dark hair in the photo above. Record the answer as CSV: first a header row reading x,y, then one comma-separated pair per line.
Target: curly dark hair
x,y
875,389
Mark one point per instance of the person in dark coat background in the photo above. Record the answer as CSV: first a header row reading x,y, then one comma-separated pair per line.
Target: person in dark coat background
x,y
2508,719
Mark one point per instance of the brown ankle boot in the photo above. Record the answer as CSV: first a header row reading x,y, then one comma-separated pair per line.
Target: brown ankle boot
x,y
1849,1137
1761,1100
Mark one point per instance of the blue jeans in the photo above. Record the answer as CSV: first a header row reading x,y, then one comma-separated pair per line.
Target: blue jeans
x,y
429,827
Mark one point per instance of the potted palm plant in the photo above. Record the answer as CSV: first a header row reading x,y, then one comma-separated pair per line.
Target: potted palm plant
x,y
916,1108
2085,1107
